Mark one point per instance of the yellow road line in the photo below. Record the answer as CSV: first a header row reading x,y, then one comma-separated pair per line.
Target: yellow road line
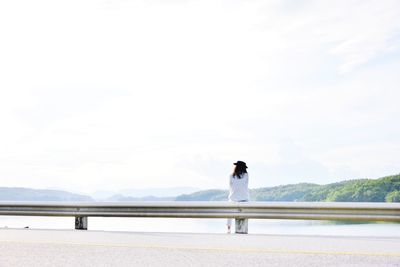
x,y
214,249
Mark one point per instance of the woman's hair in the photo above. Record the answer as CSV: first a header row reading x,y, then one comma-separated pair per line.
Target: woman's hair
x,y
239,171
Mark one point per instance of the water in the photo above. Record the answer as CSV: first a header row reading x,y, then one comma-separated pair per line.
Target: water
x,y
281,227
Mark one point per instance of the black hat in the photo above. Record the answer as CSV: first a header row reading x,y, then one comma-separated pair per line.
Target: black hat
x,y
240,163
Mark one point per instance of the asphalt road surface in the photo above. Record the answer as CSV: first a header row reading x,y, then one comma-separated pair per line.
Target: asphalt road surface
x,y
27,247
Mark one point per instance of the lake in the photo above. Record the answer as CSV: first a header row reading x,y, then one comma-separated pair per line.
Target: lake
x,y
285,227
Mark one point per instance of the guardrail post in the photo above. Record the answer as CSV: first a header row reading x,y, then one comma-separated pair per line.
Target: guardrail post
x,y
241,226
81,223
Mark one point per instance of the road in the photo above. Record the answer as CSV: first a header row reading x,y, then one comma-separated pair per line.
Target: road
x,y
28,247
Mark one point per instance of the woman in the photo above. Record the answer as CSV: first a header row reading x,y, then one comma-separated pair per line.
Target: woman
x,y
238,186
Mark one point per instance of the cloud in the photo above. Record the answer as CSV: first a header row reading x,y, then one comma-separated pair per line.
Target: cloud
x,y
160,94
349,33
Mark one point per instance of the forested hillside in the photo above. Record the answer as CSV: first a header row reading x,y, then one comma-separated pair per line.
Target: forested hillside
x,y
386,189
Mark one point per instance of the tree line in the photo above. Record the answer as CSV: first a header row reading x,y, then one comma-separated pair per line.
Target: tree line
x,y
385,189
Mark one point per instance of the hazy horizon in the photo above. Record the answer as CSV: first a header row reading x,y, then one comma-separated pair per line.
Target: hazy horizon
x,y
107,95
161,191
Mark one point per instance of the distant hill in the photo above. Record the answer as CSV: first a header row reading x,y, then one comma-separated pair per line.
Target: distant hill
x,y
27,194
386,189
136,193
205,195
158,192
120,197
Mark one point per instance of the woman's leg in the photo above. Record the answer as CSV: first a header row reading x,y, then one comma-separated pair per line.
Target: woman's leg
x,y
229,224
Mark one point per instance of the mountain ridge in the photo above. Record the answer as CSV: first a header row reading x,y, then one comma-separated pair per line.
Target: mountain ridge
x,y
29,194
385,189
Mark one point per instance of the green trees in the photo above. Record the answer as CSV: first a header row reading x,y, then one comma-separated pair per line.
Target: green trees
x,y
386,189
393,196
206,195
293,192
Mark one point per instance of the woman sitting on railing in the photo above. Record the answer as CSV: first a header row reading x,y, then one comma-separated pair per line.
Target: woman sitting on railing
x,y
238,186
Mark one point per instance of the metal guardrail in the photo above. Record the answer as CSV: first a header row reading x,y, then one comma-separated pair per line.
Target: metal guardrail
x,y
241,211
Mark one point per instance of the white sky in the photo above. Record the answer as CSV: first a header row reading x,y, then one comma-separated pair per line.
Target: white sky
x,y
101,95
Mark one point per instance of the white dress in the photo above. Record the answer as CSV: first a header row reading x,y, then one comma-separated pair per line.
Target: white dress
x,y
238,190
